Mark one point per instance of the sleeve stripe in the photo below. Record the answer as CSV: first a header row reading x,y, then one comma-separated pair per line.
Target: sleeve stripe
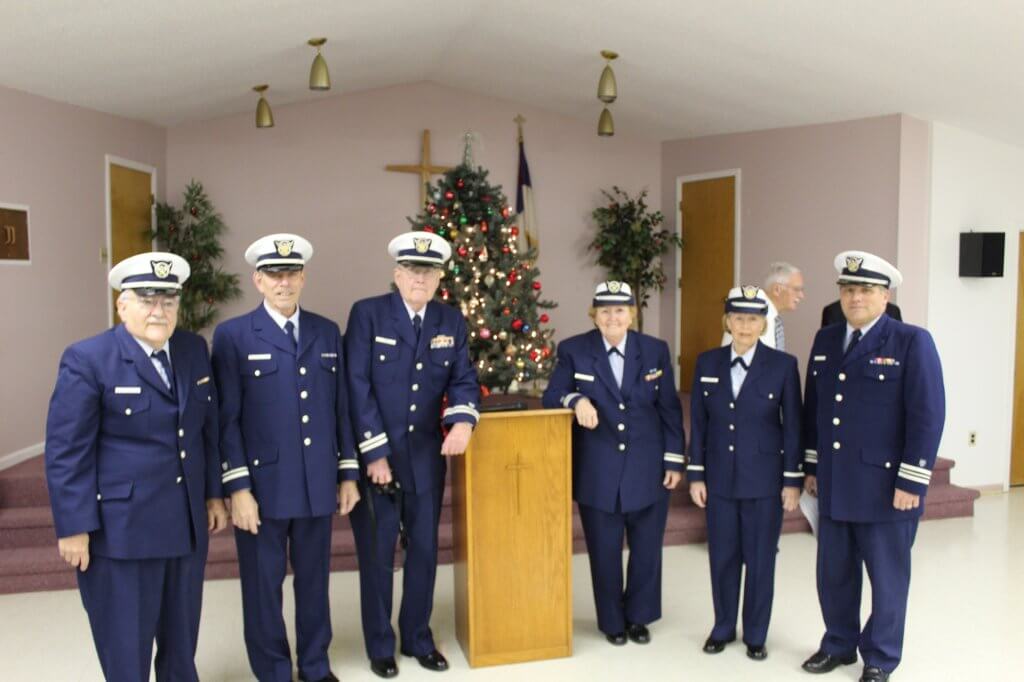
x,y
810,452
231,475
911,469
462,409
793,474
348,464
673,457
569,398
812,459
694,467
913,477
373,443
373,440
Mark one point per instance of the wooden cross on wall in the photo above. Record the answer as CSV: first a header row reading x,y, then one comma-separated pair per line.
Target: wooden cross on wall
x,y
424,169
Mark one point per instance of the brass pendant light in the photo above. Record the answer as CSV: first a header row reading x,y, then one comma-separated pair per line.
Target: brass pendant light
x,y
605,124
319,77
264,116
606,88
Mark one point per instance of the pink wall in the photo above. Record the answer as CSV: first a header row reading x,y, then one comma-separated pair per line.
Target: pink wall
x,y
806,194
320,172
52,159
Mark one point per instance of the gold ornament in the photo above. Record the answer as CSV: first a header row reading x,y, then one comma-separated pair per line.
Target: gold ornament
x,y
520,364
503,335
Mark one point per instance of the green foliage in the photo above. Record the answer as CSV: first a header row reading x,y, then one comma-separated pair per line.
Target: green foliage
x,y
629,244
193,232
491,278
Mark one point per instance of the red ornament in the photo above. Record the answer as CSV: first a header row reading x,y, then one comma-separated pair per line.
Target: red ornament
x,y
506,311
506,249
517,324
484,391
449,195
512,277
514,230
463,251
545,351
429,229
544,318
460,183
486,198
431,208
483,227
534,355
505,211
536,286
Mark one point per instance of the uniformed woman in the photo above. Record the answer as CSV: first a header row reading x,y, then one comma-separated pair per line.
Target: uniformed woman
x,y
745,465
627,455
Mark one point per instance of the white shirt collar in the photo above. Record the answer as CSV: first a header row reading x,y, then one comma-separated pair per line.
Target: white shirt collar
x,y
863,330
412,313
280,319
621,346
149,350
748,357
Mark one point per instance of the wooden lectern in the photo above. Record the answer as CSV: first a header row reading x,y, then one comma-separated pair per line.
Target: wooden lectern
x,y
512,538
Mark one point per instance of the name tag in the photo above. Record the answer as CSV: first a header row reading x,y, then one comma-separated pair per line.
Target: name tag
x,y
709,380
583,377
819,358
328,355
442,341
259,356
385,340
127,390
204,380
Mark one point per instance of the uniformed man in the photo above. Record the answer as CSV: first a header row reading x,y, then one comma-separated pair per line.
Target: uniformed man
x,y
873,415
405,353
132,467
288,458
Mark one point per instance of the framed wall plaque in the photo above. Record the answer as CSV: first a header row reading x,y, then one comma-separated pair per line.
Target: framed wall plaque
x,y
13,233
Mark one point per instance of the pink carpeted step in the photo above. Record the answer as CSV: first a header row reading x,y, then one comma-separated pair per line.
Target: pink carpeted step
x,y
26,527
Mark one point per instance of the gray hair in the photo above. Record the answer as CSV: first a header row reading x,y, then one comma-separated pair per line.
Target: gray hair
x,y
779,273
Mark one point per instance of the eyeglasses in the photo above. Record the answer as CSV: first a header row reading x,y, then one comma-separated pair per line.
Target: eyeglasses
x,y
166,302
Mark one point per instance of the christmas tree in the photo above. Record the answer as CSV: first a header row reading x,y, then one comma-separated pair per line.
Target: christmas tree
x,y
490,279
193,232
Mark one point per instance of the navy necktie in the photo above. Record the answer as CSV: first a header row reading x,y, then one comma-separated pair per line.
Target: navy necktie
x,y
854,338
289,329
739,361
161,357
417,325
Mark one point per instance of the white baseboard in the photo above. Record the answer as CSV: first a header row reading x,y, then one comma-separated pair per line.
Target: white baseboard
x,y
19,456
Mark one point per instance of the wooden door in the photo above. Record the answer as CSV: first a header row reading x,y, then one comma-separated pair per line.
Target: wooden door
x,y
1017,449
708,209
131,216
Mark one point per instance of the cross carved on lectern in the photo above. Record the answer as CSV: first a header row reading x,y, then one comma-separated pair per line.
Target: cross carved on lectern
x,y
517,467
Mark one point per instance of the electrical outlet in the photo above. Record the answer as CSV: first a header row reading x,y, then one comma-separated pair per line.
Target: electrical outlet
x,y
972,438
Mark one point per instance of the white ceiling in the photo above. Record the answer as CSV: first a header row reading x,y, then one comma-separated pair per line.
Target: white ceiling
x,y
688,68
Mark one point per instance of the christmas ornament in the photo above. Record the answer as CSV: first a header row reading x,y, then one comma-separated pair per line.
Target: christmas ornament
x,y
463,251
460,183
484,255
514,230
545,351
431,209
536,286
506,311
505,249
449,195
485,333
503,335
544,318
511,349
520,364
483,227
457,205
505,212
489,280
517,324
463,220
526,328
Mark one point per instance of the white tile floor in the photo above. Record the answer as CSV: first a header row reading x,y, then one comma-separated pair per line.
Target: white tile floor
x,y
966,620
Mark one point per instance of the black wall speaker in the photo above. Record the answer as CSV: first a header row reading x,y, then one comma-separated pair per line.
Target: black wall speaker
x,y
981,254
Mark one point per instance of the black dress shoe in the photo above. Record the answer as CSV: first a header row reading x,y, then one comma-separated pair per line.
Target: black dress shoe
x,y
821,662
435,661
384,667
618,639
638,633
873,674
757,653
330,678
716,646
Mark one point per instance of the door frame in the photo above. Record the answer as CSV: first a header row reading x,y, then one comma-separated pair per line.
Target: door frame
x,y
737,219
108,161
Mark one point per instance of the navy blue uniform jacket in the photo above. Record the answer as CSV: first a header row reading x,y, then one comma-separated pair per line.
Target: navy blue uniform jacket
x,y
872,419
620,465
396,386
285,431
127,461
748,446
